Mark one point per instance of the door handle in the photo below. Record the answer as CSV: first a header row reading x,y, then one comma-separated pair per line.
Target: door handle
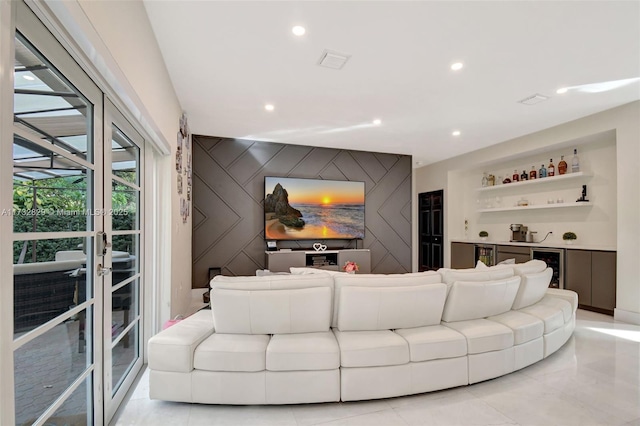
x,y
102,245
103,270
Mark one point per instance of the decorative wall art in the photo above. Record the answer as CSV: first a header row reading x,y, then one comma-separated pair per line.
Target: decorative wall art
x,y
183,168
179,154
184,209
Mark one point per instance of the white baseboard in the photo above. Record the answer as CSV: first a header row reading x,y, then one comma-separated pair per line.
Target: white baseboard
x,y
626,316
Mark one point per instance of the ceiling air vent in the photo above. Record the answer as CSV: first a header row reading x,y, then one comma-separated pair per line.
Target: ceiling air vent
x,y
533,99
333,60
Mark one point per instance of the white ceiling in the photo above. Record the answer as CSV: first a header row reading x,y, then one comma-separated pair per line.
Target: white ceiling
x,y
227,59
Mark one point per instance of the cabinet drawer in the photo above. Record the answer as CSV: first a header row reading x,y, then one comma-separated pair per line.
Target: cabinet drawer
x,y
520,258
515,250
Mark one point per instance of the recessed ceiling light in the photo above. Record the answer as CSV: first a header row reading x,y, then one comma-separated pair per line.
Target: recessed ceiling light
x,y
457,66
456,133
28,77
269,107
377,121
562,90
298,30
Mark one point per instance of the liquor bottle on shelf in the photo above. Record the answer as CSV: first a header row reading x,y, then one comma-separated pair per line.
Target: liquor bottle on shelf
x,y
491,181
575,163
551,170
542,172
515,177
532,173
524,176
562,166
485,180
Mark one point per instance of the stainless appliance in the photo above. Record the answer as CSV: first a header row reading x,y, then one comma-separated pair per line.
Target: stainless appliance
x,y
486,253
518,232
555,260
530,236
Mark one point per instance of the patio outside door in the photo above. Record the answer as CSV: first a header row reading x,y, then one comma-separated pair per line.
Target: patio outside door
x,y
77,240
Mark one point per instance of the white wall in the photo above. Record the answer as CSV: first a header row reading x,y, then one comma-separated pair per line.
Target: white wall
x,y
451,175
124,28
594,225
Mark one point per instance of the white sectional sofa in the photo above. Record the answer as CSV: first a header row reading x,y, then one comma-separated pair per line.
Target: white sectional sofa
x,y
288,339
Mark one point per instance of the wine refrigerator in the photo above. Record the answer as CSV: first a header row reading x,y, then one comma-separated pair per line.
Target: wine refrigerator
x,y
555,260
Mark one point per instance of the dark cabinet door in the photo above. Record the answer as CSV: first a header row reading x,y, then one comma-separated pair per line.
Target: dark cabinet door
x,y
463,255
430,230
603,280
578,275
520,254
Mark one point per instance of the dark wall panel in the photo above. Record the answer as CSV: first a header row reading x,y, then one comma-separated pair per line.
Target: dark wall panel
x,y
228,191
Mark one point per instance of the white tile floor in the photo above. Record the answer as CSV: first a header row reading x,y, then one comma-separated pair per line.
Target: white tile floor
x,y
593,380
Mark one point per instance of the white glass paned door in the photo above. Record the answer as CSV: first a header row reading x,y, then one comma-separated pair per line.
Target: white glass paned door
x,y
77,239
123,286
57,188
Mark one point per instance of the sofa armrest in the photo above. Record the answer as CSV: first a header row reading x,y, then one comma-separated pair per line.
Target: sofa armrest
x,y
172,349
568,295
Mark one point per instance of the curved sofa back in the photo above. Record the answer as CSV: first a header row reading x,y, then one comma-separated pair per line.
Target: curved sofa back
x,y
304,310
535,280
272,282
273,304
450,276
532,289
379,280
475,300
385,308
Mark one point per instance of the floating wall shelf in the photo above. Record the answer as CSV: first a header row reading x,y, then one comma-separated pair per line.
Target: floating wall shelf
x,y
528,183
537,207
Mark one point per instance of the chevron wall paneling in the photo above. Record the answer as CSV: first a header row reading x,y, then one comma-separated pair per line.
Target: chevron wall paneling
x,y
228,192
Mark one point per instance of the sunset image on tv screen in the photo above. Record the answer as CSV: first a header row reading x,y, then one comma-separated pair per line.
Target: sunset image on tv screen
x,y
308,209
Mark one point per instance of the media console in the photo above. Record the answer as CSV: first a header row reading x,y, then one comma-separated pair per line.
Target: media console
x,y
281,261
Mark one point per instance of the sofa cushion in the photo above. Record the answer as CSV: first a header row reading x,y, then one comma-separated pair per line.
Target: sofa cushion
x,y
273,282
371,348
563,305
507,262
525,327
483,335
449,276
532,288
384,308
306,351
474,300
531,267
552,317
303,310
568,295
379,280
231,352
433,342
173,348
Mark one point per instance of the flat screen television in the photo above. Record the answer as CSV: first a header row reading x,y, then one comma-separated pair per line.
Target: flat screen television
x,y
313,209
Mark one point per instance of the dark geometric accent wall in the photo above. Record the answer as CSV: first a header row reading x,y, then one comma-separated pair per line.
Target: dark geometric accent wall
x,y
228,192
